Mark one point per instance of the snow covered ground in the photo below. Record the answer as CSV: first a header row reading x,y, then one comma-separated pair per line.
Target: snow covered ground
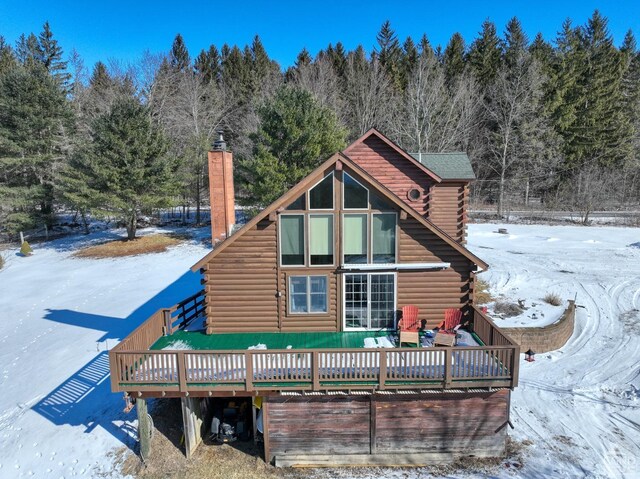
x,y
580,405
58,316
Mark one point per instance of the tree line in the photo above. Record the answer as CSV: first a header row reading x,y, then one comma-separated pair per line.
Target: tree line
x,y
558,121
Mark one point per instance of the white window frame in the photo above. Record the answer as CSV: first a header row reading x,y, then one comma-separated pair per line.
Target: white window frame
x,y
333,196
333,239
344,300
304,240
309,312
343,195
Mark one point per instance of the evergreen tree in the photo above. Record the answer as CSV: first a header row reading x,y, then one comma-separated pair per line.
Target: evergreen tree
x,y
338,58
50,54
485,54
408,61
516,42
294,136
7,57
28,50
425,48
207,64
631,88
454,58
602,132
303,58
35,127
179,58
389,52
125,169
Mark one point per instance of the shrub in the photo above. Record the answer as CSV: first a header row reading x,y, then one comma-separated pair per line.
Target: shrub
x,y
553,299
507,309
483,296
1,261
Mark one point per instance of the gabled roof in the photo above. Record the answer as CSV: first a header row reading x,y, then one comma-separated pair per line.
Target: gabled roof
x,y
312,178
448,166
411,159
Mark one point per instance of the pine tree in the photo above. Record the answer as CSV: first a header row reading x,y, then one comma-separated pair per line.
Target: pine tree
x,y
7,57
485,54
28,50
631,87
294,136
425,48
454,58
408,61
179,58
389,53
303,58
207,64
35,127
338,57
50,54
126,169
516,42
602,132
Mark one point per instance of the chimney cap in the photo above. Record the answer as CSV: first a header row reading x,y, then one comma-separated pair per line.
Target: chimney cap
x,y
220,144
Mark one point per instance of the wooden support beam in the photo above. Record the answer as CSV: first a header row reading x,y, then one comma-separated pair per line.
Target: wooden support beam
x,y
403,215
192,424
144,428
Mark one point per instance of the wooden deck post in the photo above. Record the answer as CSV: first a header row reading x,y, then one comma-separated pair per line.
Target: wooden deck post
x,y
192,422
315,370
182,372
144,428
447,367
382,370
248,368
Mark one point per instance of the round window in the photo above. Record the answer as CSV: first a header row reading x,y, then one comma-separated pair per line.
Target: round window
x,y
414,194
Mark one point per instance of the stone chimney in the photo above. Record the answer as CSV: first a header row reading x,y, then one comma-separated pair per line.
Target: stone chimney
x,y
221,193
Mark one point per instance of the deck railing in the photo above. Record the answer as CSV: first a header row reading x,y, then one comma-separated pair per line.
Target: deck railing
x,y
135,368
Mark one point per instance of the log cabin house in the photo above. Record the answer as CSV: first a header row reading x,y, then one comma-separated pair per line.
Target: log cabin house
x,y
294,300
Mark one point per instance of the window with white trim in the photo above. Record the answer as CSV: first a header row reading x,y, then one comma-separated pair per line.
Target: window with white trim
x,y
308,294
369,301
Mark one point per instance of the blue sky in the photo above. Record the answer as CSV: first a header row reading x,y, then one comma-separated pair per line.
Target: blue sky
x,y
123,30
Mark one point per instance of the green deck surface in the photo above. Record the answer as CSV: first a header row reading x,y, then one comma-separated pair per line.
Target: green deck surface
x,y
198,340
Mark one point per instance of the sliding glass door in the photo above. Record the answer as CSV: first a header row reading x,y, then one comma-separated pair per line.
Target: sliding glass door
x,y
369,301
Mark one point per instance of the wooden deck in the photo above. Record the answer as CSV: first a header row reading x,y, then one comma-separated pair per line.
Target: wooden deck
x,y
136,368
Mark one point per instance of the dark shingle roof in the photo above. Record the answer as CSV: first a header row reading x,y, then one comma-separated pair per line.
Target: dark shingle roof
x,y
448,166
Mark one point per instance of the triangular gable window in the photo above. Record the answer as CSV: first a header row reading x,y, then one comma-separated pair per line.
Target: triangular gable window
x,y
356,196
321,195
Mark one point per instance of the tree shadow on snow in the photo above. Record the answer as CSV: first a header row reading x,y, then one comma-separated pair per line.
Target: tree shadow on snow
x,y
85,398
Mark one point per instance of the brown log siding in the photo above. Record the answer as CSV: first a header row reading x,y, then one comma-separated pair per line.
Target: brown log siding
x,y
431,291
241,284
448,208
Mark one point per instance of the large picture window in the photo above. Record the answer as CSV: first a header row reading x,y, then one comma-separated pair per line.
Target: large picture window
x,y
369,301
320,239
383,237
292,240
308,294
354,236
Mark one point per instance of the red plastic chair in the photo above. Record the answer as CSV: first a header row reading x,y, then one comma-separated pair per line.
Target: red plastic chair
x,y
451,323
409,325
